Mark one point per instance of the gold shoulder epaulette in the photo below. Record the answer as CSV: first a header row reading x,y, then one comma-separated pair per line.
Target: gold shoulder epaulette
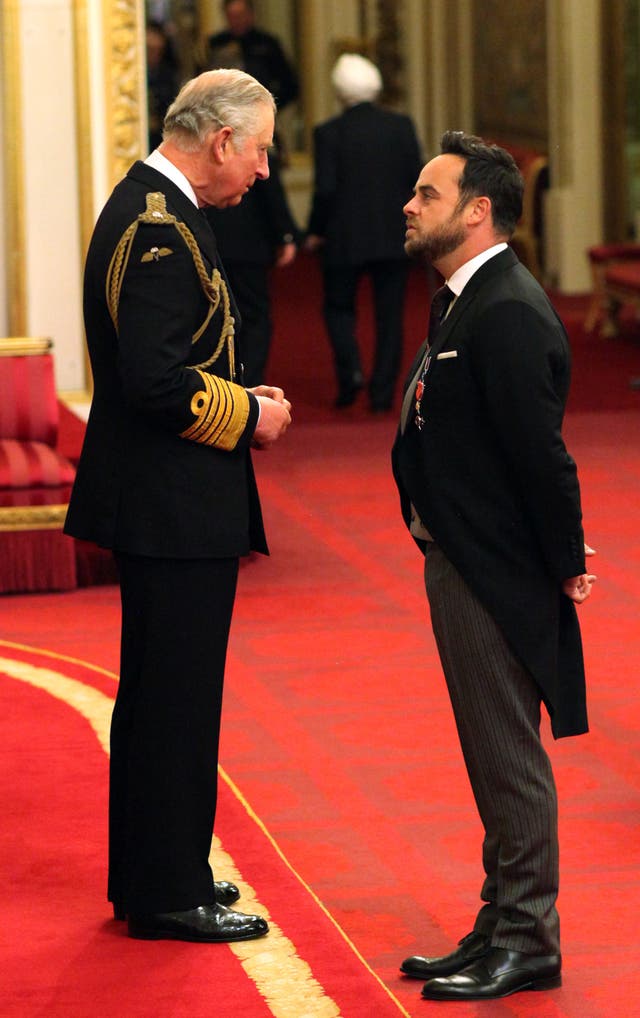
x,y
156,213
156,210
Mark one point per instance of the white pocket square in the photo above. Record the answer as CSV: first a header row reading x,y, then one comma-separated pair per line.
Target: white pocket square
x,y
446,355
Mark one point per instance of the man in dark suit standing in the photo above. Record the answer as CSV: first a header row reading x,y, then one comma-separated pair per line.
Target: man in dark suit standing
x,y
165,481
491,496
254,237
366,163
257,52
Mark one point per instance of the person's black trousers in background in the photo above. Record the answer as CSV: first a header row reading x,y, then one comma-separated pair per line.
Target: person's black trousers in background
x,y
388,284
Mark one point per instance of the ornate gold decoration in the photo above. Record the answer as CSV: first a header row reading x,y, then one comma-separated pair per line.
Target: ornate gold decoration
x,y
124,85
32,517
11,88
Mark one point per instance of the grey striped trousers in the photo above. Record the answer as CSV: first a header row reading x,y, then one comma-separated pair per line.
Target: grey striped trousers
x,y
496,705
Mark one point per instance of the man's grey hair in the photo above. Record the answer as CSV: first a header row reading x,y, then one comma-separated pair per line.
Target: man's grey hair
x,y
225,97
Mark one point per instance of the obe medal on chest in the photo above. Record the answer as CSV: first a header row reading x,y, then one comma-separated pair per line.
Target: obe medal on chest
x,y
419,419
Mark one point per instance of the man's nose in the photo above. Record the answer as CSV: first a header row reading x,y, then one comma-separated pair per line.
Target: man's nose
x,y
263,166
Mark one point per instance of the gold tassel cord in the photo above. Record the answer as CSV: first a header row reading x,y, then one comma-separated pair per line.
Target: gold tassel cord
x,y
214,288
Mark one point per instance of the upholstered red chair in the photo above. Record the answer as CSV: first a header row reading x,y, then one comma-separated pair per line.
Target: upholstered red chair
x,y
615,271
35,480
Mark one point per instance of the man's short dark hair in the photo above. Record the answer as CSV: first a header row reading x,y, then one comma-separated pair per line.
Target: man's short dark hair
x,y
490,171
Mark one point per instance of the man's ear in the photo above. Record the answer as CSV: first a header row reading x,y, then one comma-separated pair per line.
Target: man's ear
x,y
219,143
479,209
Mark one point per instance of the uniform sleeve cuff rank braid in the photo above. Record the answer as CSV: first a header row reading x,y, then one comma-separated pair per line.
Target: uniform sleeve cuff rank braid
x,y
221,411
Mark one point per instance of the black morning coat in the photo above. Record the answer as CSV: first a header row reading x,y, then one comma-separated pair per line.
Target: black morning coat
x,y
252,231
491,479
165,469
366,161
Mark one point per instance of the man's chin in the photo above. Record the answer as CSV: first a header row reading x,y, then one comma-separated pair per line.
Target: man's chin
x,y
413,249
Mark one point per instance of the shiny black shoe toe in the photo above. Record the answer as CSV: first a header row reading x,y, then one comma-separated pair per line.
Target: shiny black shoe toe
x,y
500,973
349,391
208,924
226,892
470,948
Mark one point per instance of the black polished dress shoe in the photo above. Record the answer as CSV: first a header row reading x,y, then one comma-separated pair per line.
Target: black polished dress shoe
x,y
498,974
348,392
470,948
226,894
208,924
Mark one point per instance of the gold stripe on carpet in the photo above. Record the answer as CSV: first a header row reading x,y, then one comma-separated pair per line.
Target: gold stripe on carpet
x,y
283,978
238,794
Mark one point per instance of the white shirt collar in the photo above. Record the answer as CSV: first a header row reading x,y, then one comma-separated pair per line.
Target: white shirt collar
x,y
461,276
167,168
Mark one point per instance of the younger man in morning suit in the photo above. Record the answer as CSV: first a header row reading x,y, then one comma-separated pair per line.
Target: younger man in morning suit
x,y
165,481
490,494
366,163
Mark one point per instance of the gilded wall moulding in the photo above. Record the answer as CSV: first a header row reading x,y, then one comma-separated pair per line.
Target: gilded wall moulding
x,y
124,85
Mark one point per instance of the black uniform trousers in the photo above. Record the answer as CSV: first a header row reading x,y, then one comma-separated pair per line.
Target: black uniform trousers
x,y
496,705
176,615
388,281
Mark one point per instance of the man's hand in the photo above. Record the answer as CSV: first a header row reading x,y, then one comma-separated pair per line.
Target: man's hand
x,y
578,588
275,415
286,254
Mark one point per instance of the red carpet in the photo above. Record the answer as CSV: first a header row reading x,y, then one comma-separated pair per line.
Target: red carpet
x,y
338,733
64,956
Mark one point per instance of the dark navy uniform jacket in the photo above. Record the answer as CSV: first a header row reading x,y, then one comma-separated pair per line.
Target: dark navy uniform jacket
x,y
165,468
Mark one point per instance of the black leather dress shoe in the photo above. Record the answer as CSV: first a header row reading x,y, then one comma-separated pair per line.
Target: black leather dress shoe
x,y
470,948
348,392
226,894
498,974
208,924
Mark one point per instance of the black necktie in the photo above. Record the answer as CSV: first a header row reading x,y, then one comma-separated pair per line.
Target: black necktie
x,y
412,402
439,306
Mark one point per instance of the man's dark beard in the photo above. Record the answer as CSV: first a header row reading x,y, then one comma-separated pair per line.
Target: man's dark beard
x,y
441,241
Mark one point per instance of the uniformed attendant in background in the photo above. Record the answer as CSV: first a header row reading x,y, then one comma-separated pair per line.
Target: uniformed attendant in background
x,y
165,480
253,237
257,52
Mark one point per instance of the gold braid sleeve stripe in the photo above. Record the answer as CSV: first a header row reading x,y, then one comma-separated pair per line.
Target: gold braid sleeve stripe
x,y
221,410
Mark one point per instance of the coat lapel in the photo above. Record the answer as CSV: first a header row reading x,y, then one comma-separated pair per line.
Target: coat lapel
x,y
495,266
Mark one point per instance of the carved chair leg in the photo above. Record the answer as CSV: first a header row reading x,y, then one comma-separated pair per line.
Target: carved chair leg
x,y
609,328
